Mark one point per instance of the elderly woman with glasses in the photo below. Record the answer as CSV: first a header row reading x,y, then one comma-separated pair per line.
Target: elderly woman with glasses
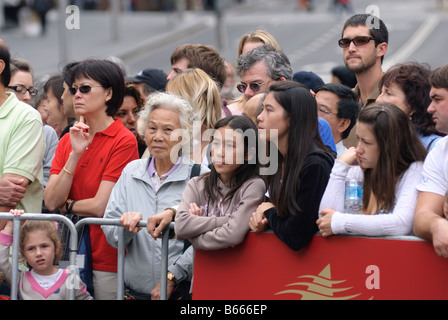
x,y
151,189
89,160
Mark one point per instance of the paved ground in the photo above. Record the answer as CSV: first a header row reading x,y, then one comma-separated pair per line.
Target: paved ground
x,y
148,38
137,31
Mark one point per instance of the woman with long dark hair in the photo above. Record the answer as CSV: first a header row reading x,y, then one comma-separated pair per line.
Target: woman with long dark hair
x,y
289,121
388,160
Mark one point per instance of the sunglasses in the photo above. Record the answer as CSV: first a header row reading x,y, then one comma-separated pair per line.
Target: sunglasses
x,y
254,86
358,41
82,89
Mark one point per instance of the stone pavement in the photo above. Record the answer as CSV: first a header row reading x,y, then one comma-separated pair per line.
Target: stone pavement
x,y
137,31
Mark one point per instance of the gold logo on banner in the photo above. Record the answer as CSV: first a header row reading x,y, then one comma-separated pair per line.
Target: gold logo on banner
x,y
320,287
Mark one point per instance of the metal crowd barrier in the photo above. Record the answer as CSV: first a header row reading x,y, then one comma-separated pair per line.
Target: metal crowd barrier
x,y
74,230
121,252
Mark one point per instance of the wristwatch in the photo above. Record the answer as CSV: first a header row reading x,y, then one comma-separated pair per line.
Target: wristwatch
x,y
170,276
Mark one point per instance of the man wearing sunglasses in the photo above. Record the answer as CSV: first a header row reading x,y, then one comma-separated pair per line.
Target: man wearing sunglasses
x,y
260,68
364,42
22,148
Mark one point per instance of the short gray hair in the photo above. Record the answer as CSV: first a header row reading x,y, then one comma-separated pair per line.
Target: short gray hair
x,y
277,63
169,101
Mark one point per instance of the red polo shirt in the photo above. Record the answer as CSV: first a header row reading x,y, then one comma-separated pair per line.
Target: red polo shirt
x,y
110,151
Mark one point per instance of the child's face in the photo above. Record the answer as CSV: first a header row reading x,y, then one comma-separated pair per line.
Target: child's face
x,y
227,152
39,252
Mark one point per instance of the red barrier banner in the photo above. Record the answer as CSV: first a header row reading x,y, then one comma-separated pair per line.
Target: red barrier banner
x,y
334,268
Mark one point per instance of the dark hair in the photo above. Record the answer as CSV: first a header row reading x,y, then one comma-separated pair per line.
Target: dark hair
x,y
246,127
398,146
348,105
301,108
55,84
108,74
412,78
67,72
439,77
130,90
6,57
378,32
203,57
346,76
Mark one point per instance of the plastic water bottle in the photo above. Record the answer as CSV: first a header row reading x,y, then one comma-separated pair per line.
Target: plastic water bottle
x,y
353,196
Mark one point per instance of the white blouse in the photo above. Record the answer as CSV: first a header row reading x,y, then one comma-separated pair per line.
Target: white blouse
x,y
398,222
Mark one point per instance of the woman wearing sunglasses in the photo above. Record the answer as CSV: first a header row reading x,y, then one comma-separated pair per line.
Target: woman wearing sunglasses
x,y
89,160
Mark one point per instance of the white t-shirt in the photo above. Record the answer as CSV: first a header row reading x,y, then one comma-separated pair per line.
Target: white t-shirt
x,y
46,282
435,169
340,148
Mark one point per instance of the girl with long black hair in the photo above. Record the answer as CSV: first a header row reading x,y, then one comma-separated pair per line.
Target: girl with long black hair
x,y
289,121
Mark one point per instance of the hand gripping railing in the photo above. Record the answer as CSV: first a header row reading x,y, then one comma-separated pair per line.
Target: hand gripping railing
x,y
15,244
121,252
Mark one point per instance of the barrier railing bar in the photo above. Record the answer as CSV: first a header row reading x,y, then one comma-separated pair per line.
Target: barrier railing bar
x,y
16,237
121,250
15,259
164,261
120,254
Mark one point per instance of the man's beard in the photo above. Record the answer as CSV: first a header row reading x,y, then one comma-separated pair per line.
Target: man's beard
x,y
362,66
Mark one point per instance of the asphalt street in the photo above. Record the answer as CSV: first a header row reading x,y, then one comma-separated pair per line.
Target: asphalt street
x,y
146,39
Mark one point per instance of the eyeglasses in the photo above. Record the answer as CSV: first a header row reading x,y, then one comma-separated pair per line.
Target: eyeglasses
x,y
358,41
23,90
254,86
82,89
324,111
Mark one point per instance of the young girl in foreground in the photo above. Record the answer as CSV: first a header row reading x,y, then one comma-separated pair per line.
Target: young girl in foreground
x,y
215,209
40,246
289,122
388,159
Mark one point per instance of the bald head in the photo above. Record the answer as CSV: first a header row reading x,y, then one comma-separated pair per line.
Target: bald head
x,y
3,43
